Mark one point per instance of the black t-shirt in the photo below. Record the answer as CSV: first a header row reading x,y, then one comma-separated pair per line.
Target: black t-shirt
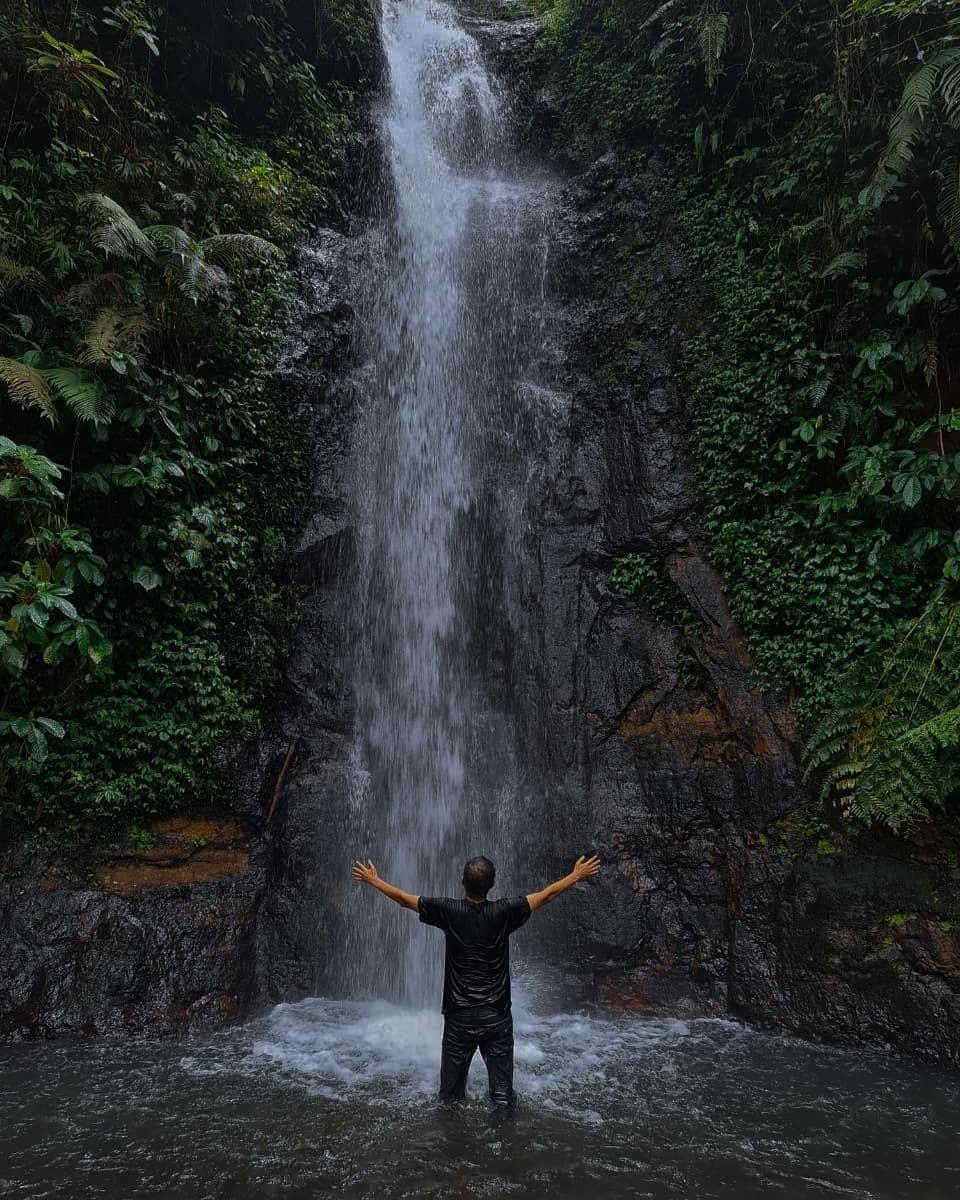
x,y
477,968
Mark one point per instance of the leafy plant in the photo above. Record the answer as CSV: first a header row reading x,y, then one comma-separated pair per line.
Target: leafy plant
x,y
142,609
889,747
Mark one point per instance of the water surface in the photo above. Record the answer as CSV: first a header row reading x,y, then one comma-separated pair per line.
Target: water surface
x,y
325,1098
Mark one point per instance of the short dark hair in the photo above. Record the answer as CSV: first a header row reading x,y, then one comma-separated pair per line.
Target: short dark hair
x,y
478,877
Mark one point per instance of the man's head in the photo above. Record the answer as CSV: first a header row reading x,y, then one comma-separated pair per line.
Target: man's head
x,y
478,876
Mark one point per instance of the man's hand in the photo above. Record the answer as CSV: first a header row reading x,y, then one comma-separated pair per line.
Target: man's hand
x,y
364,872
367,873
584,868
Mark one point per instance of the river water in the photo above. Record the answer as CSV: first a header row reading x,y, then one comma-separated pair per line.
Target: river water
x,y
325,1099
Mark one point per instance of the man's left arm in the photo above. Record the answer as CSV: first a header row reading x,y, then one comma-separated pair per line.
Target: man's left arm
x,y
583,868
367,873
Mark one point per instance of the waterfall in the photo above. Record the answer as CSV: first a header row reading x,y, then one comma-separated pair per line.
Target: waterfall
x,y
450,323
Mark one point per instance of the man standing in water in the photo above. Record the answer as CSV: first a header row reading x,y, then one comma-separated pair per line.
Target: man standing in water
x,y
476,974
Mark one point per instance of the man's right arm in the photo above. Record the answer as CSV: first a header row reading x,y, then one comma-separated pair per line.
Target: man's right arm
x,y
367,873
584,868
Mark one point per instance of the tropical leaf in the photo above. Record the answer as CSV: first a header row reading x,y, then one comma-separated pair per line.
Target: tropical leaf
x,y
228,249
81,392
948,202
658,13
938,77
889,749
28,387
712,38
103,289
14,274
112,331
848,260
117,232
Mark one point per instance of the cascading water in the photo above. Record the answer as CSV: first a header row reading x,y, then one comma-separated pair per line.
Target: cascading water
x,y
449,319
333,1096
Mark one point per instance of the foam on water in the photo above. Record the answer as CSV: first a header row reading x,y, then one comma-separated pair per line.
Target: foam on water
x,y
329,1099
377,1052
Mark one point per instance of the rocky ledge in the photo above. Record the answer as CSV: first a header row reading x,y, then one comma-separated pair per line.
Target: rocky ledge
x,y
154,938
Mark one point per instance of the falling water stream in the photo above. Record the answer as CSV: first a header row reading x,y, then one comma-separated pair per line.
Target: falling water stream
x,y
334,1096
449,331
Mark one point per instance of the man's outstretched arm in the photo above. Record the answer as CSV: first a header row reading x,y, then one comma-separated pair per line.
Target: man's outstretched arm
x,y
583,868
367,873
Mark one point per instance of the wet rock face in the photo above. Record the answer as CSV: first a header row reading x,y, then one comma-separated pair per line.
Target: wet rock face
x,y
160,943
206,921
660,749
661,752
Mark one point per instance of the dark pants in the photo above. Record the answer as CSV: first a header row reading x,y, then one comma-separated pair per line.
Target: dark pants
x,y
488,1030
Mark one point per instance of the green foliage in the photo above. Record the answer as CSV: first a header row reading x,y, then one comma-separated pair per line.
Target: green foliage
x,y
814,154
153,174
641,578
889,747
143,839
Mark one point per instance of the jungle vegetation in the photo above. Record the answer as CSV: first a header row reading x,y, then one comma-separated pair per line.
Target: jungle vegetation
x,y
814,152
157,164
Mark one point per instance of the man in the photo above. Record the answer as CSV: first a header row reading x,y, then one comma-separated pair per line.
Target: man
x,y
476,975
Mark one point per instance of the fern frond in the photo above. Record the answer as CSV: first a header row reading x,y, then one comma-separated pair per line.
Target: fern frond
x,y
712,38
171,239
14,274
229,249
930,360
950,85
82,394
890,748
938,77
112,331
28,387
948,203
117,233
657,14
105,288
848,260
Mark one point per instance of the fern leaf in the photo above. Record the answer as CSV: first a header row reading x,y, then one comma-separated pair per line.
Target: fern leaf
x,y
658,13
112,331
171,239
28,387
890,748
948,203
14,274
228,249
82,394
949,64
712,37
104,288
849,260
117,233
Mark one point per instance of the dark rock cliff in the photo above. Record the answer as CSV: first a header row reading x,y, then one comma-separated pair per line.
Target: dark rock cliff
x,y
209,922
659,741
644,723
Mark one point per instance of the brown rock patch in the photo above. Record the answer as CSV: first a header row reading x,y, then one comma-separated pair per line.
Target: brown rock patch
x,y
186,851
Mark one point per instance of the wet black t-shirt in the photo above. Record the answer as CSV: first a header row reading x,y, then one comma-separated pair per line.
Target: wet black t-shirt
x,y
477,969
